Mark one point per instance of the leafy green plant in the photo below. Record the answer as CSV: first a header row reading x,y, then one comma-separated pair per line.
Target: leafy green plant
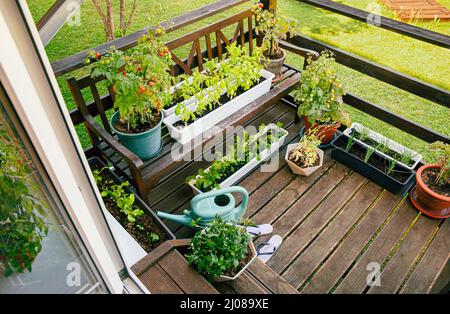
x,y
383,146
319,95
407,157
244,149
241,70
117,194
153,237
274,27
305,153
219,249
369,152
350,142
22,212
391,165
139,78
441,153
363,134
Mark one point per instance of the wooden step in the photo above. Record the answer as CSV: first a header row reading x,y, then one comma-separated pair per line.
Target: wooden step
x,y
165,270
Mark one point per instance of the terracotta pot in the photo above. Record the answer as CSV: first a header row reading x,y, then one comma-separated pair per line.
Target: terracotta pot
x,y
327,131
274,66
299,170
428,202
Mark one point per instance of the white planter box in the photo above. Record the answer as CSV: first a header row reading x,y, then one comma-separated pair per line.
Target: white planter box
x,y
296,168
396,147
170,111
223,278
243,171
203,124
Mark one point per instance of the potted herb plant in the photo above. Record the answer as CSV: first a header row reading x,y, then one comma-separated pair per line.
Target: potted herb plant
x,y
222,251
319,97
432,192
305,157
274,27
22,214
140,81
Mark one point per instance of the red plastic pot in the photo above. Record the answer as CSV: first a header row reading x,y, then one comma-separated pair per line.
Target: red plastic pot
x,y
428,202
327,131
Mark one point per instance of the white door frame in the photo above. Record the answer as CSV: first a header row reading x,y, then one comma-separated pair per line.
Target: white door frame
x,y
26,75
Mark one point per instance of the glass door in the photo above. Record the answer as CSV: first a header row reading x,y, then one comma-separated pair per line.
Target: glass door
x,y
40,250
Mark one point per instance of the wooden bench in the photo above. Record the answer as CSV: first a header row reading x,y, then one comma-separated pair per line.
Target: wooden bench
x,y
165,270
145,174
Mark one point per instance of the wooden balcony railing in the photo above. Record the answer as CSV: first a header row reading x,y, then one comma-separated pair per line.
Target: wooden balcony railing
x,y
407,83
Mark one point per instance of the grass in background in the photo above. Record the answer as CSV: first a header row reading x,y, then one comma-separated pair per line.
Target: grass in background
x,y
421,60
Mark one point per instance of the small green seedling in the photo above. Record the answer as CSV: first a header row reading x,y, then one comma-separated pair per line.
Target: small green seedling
x,y
391,166
350,142
153,237
369,152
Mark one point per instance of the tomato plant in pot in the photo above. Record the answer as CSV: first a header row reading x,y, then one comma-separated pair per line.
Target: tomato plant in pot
x,y
274,27
221,251
431,195
319,97
305,157
140,80
22,212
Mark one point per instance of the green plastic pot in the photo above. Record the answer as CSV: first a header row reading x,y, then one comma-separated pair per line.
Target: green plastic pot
x,y
146,144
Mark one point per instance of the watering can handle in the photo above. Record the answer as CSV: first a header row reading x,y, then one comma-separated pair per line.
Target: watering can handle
x,y
231,189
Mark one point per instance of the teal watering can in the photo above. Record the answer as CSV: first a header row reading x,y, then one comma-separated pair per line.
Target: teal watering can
x,y
208,206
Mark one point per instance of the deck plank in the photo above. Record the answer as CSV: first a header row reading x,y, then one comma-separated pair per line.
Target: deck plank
x,y
307,230
158,282
247,284
307,202
379,249
347,251
274,282
300,270
289,195
403,259
433,263
184,275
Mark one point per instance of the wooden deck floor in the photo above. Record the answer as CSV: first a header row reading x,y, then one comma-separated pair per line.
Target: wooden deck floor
x,y
334,224
418,9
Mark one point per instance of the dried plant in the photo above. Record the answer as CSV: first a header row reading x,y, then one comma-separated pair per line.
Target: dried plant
x,y
442,157
305,153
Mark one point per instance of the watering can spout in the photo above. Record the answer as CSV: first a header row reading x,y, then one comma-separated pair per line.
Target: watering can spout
x,y
181,219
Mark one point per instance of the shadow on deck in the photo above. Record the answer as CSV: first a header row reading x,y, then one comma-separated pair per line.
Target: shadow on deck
x,y
338,227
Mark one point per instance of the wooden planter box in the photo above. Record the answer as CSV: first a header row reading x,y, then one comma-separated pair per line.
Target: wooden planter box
x,y
253,163
165,270
132,250
369,171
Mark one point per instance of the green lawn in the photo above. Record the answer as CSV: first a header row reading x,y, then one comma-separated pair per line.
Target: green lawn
x,y
409,56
